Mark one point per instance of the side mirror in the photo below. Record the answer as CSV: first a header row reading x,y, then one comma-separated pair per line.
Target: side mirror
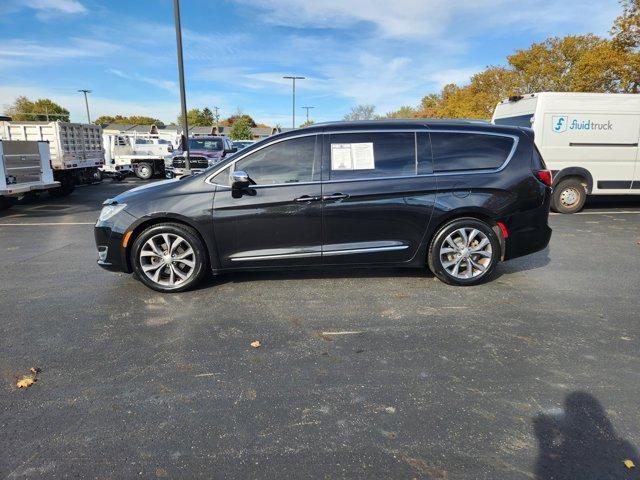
x,y
239,180
231,150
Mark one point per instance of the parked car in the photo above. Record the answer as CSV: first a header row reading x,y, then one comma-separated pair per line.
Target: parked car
x,y
456,196
589,140
242,144
204,151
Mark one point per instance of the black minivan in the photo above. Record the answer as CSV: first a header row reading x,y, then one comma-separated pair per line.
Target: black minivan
x,y
456,196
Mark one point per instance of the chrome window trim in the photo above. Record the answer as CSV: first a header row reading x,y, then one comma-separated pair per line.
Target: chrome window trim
x,y
447,173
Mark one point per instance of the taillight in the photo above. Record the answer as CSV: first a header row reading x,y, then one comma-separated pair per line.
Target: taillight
x,y
503,230
545,177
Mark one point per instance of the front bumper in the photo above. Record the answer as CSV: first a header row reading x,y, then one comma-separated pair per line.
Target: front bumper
x,y
172,172
112,255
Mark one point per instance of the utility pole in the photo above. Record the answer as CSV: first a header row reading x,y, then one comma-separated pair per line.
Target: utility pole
x,y
183,96
86,103
307,109
294,78
216,116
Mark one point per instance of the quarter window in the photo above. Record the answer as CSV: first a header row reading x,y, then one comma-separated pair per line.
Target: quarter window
x,y
469,151
289,161
375,154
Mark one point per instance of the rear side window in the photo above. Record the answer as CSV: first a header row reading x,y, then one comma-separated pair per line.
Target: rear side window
x,y
469,151
370,155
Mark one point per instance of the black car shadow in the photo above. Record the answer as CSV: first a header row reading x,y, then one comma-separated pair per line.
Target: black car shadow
x,y
530,262
579,442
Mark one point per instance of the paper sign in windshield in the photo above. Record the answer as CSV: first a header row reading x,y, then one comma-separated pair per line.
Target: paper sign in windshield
x,y
352,156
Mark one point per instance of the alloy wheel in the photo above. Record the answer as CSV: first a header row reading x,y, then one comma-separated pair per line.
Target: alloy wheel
x,y
466,253
167,259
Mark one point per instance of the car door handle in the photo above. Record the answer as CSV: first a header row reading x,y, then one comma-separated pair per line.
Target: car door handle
x,y
306,198
335,196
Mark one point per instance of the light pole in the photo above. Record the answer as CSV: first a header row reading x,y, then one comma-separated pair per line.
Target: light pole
x,y
216,117
294,78
86,103
183,96
307,109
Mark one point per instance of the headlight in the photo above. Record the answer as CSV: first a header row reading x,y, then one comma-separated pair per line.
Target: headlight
x,y
109,211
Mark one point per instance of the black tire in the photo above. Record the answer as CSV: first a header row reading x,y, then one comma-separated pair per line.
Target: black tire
x,y
67,186
569,196
436,262
144,170
199,258
6,203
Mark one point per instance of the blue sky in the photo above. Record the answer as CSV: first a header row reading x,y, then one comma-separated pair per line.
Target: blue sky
x,y
388,53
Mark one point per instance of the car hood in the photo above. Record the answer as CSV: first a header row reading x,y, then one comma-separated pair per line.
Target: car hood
x,y
149,190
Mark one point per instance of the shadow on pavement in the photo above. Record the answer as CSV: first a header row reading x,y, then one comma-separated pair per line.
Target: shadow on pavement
x,y
580,443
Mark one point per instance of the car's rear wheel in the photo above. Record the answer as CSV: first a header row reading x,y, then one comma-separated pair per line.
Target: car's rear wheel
x,y
169,257
464,252
144,170
569,196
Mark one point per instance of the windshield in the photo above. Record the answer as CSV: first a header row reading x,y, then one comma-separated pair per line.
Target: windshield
x,y
198,144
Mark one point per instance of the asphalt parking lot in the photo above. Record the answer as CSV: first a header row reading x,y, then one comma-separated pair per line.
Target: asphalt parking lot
x,y
361,373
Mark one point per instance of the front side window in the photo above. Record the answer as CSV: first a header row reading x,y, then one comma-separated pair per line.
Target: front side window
x,y
375,154
469,151
289,161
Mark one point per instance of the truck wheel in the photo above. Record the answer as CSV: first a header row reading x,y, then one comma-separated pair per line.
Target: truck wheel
x,y
169,257
6,203
67,185
569,196
144,170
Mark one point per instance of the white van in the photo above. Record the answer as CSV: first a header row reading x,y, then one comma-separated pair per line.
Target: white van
x,y
588,140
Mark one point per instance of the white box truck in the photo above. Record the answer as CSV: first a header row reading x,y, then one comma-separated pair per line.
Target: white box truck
x,y
25,168
588,140
76,149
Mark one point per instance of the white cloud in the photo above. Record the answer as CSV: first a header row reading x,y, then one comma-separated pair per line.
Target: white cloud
x,y
30,52
168,85
433,18
50,8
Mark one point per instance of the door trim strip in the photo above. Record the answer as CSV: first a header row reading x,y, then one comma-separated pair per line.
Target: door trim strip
x,y
330,253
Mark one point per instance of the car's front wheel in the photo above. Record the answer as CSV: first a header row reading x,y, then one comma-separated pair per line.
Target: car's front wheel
x,y
169,257
464,252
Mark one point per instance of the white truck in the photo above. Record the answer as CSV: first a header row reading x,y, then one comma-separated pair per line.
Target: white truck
x,y
588,140
75,148
142,154
25,168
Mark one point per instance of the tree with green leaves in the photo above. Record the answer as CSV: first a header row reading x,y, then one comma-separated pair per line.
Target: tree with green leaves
x,y
44,109
229,122
405,111
131,120
575,63
241,130
361,112
308,123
